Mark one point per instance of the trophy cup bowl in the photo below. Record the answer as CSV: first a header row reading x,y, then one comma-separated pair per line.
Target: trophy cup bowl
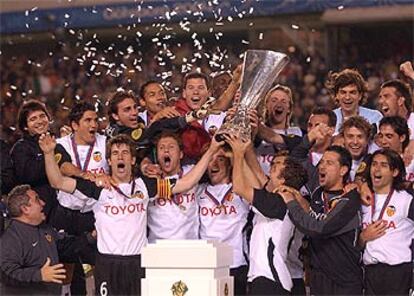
x,y
260,70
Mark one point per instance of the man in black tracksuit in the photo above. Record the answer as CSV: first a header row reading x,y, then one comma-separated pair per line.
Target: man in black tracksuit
x,y
333,224
31,250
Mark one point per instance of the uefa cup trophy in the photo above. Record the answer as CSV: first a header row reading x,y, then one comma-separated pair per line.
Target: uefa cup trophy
x,y
260,70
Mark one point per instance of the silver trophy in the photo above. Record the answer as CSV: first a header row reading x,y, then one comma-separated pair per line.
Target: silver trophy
x,y
260,70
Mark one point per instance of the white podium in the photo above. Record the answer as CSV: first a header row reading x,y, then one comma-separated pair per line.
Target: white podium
x,y
187,267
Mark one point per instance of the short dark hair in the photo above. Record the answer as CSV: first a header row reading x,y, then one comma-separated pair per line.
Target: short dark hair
x,y
326,111
399,125
78,110
294,174
344,78
17,198
196,75
118,140
395,162
28,107
358,122
145,85
117,98
345,159
402,90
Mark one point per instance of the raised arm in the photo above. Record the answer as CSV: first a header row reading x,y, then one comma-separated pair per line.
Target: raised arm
x,y
56,179
189,180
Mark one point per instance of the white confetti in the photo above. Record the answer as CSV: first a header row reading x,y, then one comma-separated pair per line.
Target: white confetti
x,y
295,27
340,7
260,36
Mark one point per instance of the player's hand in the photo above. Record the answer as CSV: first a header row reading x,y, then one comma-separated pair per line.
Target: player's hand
x,y
214,145
151,170
167,112
103,180
238,144
65,130
47,143
373,231
406,68
52,273
254,121
366,194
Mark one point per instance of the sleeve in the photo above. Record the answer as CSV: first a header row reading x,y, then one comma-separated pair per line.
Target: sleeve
x,y
335,222
86,189
7,179
301,151
270,205
159,187
12,265
61,155
29,166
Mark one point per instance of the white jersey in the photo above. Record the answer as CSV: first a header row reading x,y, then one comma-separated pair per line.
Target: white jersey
x,y
267,234
371,115
120,215
93,161
354,169
394,247
175,218
266,151
223,215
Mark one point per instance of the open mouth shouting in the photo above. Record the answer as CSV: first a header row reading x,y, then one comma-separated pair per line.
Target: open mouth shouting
x,y
121,167
322,178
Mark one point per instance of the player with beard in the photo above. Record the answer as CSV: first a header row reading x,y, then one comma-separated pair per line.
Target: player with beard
x,y
348,89
356,132
273,231
177,217
223,216
121,213
332,222
388,228
278,111
394,134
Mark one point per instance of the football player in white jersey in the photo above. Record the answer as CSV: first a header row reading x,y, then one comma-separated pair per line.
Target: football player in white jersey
x,y
272,228
223,216
120,213
176,217
80,154
388,228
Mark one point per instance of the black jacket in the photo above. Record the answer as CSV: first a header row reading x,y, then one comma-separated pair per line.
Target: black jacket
x,y
333,234
29,168
24,249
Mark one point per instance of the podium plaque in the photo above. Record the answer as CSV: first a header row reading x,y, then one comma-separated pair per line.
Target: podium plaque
x,y
187,268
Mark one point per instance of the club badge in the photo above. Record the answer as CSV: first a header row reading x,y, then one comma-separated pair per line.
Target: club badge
x,y
136,134
97,156
391,211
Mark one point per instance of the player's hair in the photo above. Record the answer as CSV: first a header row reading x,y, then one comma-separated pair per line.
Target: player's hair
x,y
78,110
